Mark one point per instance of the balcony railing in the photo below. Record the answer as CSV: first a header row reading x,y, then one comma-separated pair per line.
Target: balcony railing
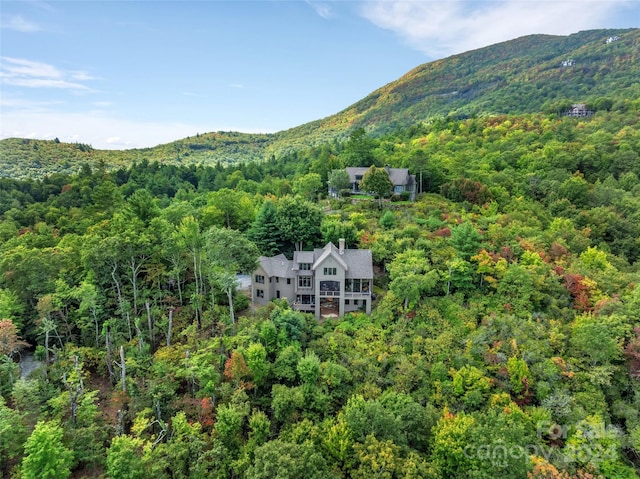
x,y
363,294
329,293
304,307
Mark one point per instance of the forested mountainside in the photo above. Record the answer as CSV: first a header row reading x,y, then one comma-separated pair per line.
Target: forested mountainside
x,y
504,340
537,73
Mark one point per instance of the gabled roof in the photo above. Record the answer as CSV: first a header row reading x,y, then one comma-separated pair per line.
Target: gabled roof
x,y
329,250
302,257
278,266
356,262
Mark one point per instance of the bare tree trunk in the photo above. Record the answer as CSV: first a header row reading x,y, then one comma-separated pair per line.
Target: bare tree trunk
x,y
117,285
169,328
139,333
46,346
135,269
202,291
123,369
195,273
75,390
150,324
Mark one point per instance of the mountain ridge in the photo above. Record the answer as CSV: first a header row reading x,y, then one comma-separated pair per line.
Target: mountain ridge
x,y
528,74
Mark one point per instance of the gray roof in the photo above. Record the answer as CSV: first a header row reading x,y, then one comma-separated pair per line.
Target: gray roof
x,y
358,263
302,257
329,250
398,176
278,266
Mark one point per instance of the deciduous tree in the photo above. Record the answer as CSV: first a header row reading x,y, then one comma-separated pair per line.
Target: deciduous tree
x,y
377,181
45,455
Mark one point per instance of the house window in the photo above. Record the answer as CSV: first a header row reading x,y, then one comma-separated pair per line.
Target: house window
x,y
330,286
346,302
259,279
288,280
398,189
330,271
305,266
356,285
306,299
304,282
259,293
278,294
358,177
277,280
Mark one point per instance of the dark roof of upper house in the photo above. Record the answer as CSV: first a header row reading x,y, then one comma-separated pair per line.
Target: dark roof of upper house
x,y
398,176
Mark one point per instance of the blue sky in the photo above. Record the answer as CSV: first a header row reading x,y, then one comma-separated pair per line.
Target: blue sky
x,y
124,74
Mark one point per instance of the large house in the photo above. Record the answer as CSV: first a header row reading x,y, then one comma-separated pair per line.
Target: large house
x,y
329,281
578,110
400,177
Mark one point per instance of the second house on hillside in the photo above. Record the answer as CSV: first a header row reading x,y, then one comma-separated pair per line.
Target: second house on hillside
x,y
328,282
400,177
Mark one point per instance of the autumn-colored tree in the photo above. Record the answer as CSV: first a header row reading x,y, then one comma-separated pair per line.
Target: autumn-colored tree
x,y
10,342
237,371
632,352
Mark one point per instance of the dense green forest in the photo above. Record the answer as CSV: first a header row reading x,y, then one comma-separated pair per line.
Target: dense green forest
x,y
526,75
504,341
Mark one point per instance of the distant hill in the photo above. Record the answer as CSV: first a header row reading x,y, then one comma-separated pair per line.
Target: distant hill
x,y
529,74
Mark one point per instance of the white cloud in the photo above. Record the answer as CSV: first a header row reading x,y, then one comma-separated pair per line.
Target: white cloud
x,y
19,67
441,28
27,73
80,76
43,83
44,6
196,95
321,8
19,24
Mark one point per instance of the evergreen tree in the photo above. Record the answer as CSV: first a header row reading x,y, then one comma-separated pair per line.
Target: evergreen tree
x,y
298,223
264,230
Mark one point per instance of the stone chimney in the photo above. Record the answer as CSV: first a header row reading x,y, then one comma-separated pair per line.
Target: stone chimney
x,y
341,246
